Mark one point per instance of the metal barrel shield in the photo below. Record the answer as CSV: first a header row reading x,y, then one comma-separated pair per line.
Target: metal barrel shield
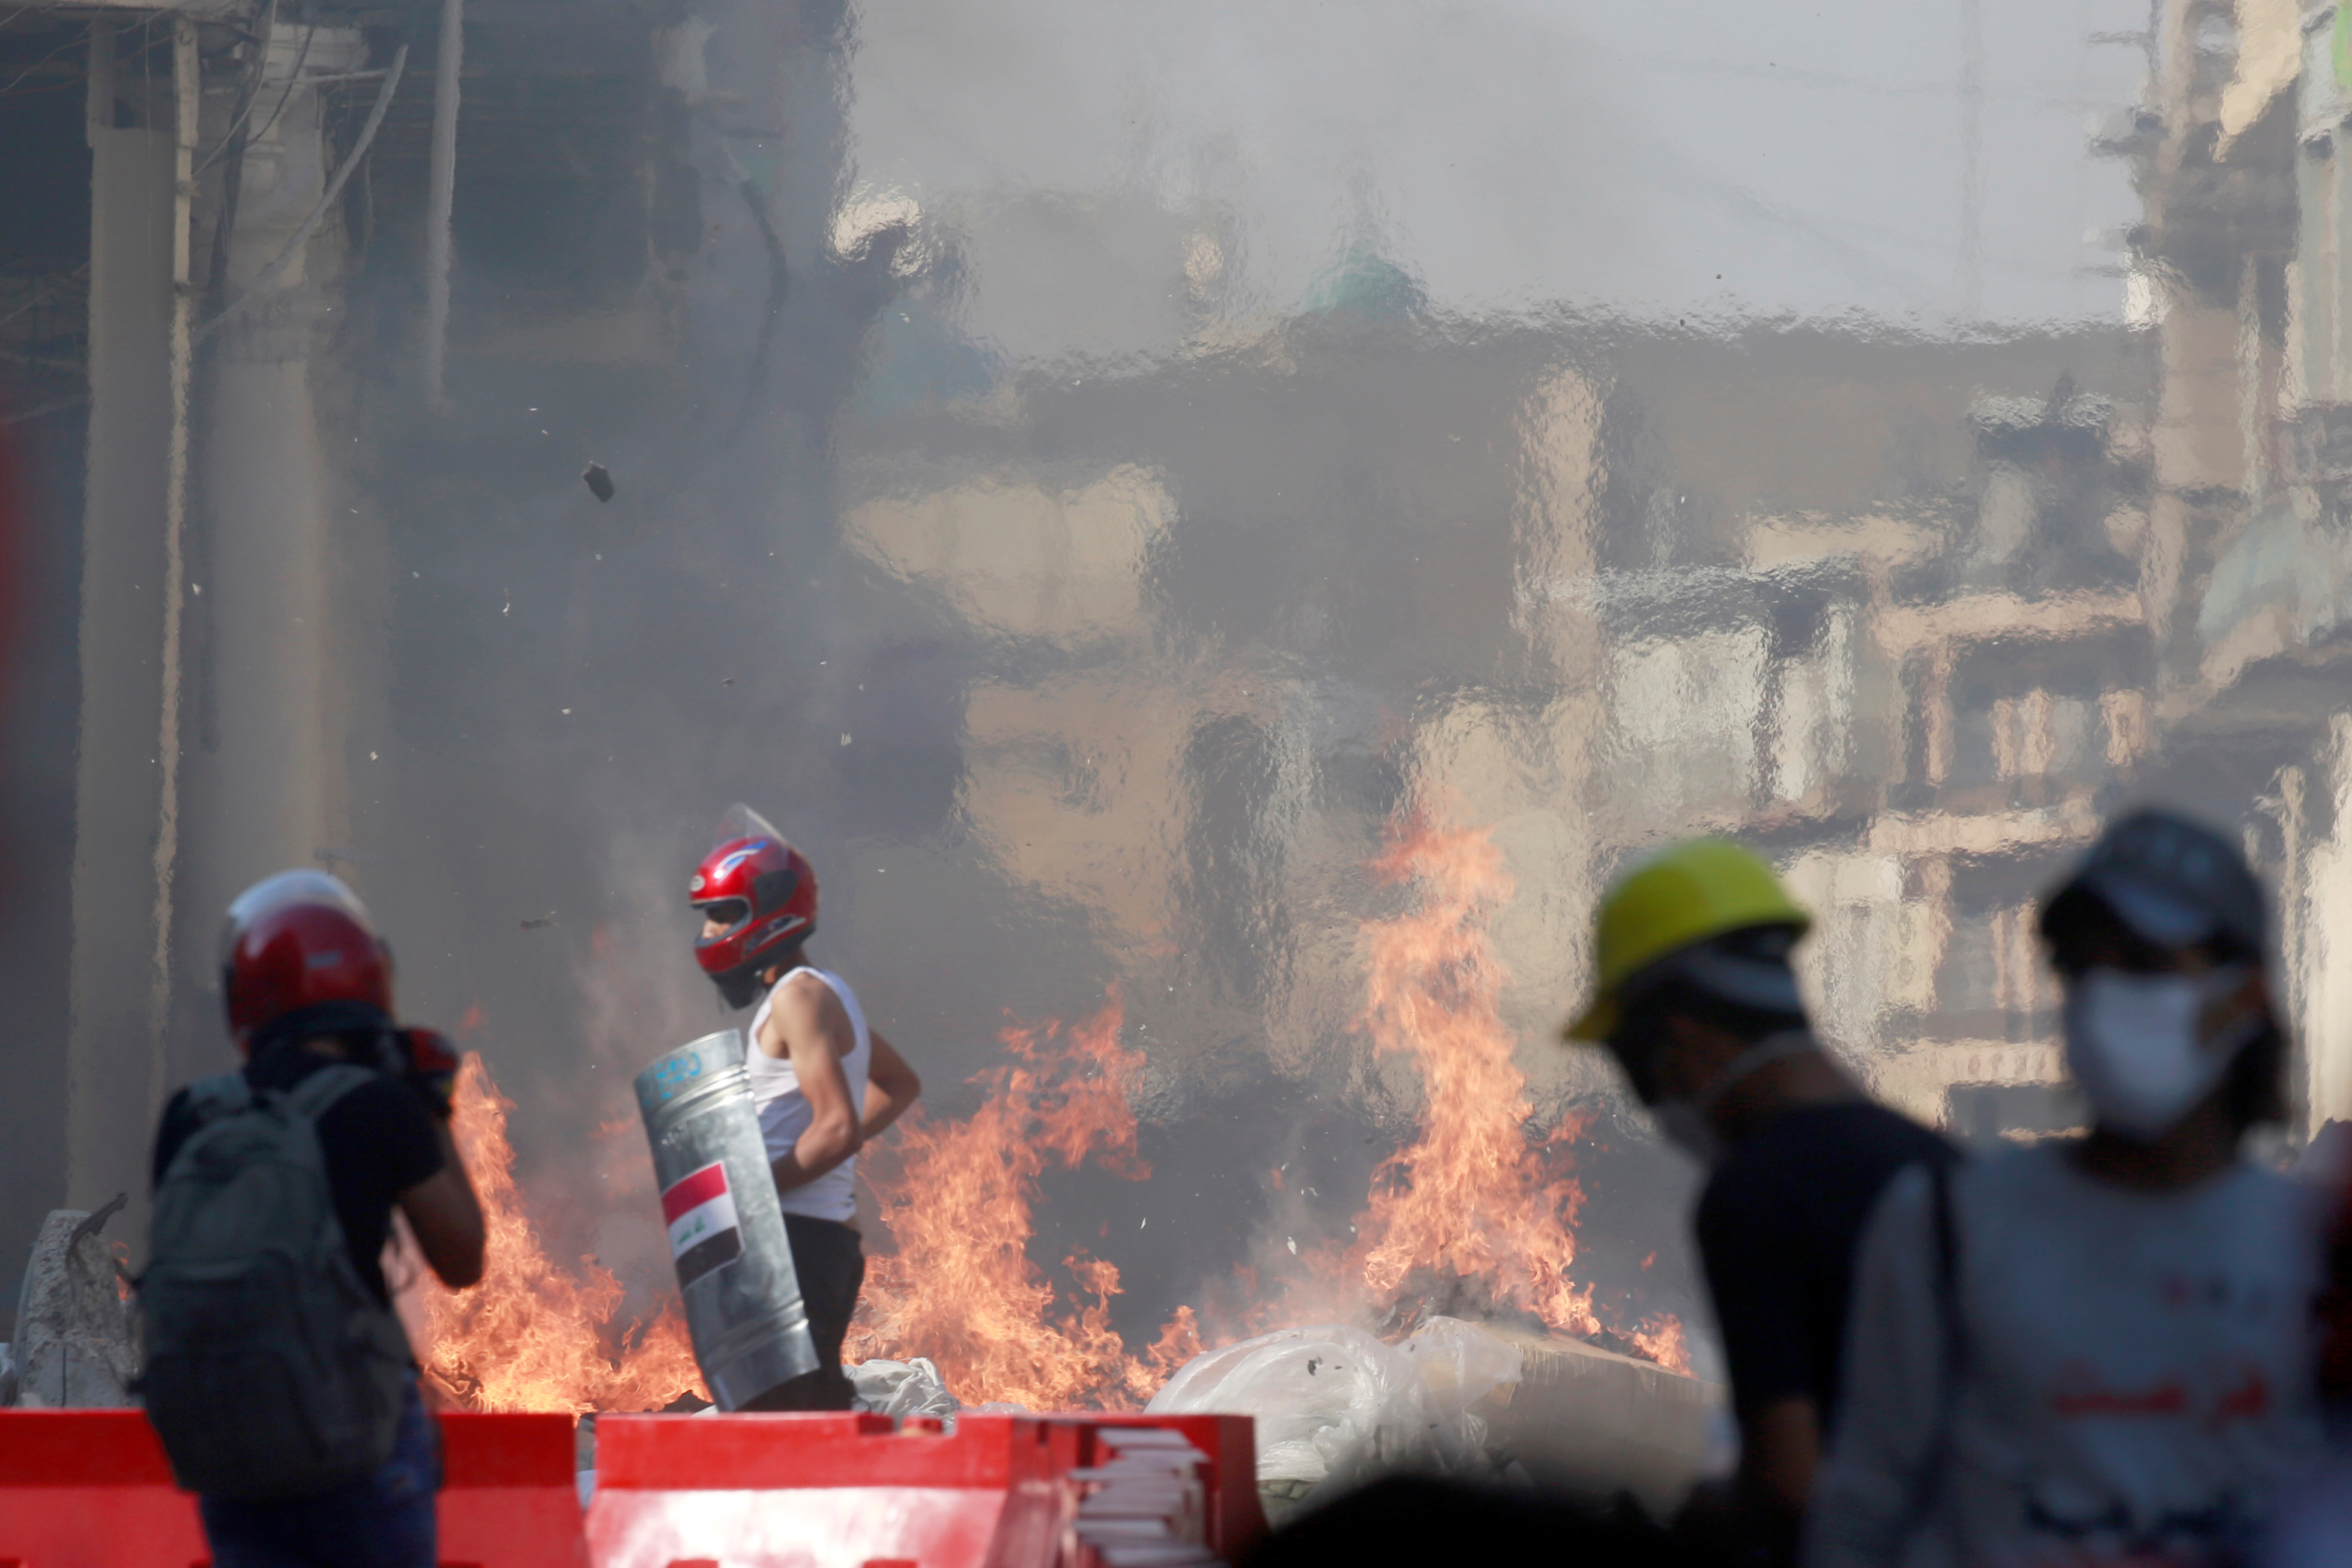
x,y
726,1233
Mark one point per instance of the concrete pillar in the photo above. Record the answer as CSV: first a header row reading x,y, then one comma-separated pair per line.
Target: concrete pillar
x,y
268,791
111,1034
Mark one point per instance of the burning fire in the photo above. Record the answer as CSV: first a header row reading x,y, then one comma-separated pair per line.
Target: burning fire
x,y
1472,1210
530,1335
1472,1199
960,1287
1472,1207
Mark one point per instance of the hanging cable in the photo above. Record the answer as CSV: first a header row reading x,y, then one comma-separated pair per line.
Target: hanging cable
x,y
271,273
252,92
293,79
440,197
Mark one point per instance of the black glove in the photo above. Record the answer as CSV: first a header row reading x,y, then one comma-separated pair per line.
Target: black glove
x,y
432,1067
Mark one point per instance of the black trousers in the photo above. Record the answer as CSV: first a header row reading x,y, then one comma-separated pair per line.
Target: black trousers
x,y
832,1268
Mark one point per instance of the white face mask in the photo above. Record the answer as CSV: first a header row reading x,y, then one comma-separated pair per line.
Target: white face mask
x,y
1687,1123
2135,1043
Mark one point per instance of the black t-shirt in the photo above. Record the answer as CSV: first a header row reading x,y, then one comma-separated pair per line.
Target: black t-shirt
x,y
379,1141
1778,1228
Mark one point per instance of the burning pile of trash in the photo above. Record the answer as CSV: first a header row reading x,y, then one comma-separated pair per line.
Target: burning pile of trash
x,y
956,1314
535,1335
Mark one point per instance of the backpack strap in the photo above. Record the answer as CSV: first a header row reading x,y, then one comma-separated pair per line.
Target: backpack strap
x,y
1948,1280
212,1098
1947,1254
1955,1338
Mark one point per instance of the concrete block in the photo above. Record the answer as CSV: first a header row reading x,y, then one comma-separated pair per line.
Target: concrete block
x,y
1589,1421
77,1344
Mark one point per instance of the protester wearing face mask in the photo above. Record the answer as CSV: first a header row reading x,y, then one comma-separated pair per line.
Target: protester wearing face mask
x,y
2097,1349
1698,1004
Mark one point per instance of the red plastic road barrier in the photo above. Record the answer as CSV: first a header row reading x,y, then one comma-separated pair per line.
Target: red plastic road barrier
x,y
1236,1520
509,1498
90,1489
823,1490
861,1492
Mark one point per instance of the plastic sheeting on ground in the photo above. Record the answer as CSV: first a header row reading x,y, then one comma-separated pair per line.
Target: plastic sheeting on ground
x,y
902,1388
1333,1404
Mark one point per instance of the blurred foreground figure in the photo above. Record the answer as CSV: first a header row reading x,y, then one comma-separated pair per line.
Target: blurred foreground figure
x,y
824,1081
281,1383
2098,1349
1414,1522
1698,1004
2313,1529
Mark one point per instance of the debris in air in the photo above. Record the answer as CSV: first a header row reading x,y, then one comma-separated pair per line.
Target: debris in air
x,y
599,479
539,922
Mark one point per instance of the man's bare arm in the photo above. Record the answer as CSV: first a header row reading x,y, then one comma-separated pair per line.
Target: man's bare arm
x,y
809,1026
446,1217
891,1086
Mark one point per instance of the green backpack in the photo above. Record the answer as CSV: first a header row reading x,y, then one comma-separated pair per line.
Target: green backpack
x,y
272,1371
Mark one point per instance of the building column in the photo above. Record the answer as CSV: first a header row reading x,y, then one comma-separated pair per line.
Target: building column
x,y
113,1033
267,781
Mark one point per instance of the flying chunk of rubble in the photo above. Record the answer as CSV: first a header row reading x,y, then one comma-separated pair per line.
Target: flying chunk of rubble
x,y
77,1343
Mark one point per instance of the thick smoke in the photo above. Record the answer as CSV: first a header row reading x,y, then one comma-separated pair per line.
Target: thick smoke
x,y
1088,555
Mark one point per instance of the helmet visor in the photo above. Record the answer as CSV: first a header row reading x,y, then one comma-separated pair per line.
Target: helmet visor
x,y
739,821
301,886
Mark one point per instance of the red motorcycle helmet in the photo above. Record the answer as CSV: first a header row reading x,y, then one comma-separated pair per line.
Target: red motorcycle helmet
x,y
294,940
762,890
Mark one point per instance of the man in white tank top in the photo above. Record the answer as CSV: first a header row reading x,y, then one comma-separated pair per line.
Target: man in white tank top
x,y
824,1081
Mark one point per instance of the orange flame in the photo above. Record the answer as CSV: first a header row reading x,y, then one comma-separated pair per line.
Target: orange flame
x,y
1471,1200
1472,1207
1661,1338
960,1287
530,1335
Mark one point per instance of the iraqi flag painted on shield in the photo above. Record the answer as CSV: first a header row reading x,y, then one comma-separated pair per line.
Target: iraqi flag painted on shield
x,y
703,1234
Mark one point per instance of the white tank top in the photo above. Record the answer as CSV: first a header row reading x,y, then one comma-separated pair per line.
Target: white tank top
x,y
784,1111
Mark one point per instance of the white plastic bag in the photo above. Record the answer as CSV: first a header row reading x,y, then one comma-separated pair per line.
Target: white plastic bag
x,y
1329,1401
1460,1365
902,1388
1334,1403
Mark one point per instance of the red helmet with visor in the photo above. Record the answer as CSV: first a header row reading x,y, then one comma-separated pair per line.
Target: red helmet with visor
x,y
761,894
293,941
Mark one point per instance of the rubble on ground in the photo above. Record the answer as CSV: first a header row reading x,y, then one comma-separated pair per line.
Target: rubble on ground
x,y
1335,1406
77,1343
903,1388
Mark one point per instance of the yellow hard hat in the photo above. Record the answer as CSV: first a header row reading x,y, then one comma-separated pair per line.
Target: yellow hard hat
x,y
1686,893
